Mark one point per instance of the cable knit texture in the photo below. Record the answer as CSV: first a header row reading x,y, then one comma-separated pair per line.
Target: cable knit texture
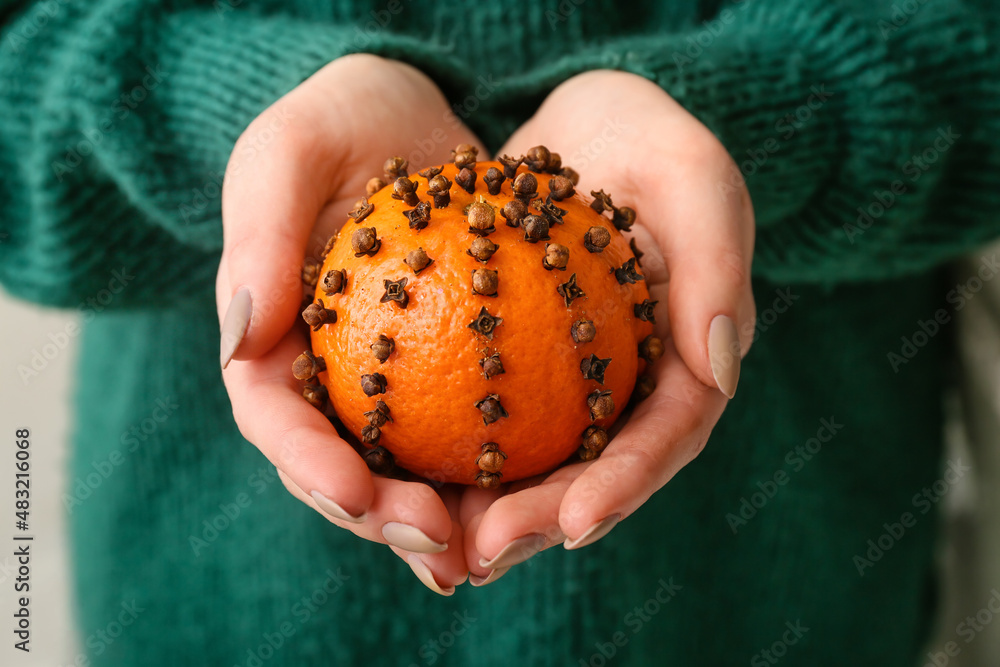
x,y
867,131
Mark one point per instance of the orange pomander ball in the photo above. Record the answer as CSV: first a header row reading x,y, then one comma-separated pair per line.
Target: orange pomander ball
x,y
479,323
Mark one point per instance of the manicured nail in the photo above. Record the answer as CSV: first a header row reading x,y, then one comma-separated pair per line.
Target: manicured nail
x,y
488,579
724,353
235,324
335,510
594,533
426,577
409,538
516,552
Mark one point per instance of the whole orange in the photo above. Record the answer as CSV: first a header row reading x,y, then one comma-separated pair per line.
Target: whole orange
x,y
474,343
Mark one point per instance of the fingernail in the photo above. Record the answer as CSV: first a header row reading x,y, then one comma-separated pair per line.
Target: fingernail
x,y
335,510
724,354
516,552
234,325
488,579
426,577
594,533
409,538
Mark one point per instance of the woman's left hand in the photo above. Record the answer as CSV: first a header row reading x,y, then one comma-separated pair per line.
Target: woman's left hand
x,y
627,136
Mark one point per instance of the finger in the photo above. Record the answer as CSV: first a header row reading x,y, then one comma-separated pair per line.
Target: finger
x,y
441,572
301,442
390,519
521,524
474,504
706,236
666,432
280,175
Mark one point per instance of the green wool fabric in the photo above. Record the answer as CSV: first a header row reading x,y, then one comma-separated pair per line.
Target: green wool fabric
x,y
869,134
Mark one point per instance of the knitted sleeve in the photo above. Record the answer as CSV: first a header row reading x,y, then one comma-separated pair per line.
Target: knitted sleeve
x,y
117,118
868,131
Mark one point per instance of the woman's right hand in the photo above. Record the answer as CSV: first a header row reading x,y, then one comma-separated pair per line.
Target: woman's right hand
x,y
292,177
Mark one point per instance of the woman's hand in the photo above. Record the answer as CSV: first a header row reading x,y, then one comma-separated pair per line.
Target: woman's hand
x,y
628,137
291,180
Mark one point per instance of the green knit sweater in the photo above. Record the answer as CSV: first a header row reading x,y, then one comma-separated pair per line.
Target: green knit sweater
x,y
869,132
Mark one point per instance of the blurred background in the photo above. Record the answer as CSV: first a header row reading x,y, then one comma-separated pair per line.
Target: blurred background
x,y
41,403
37,359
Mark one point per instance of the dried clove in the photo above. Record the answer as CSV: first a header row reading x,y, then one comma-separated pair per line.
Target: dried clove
x,y
310,271
635,251
316,315
417,260
464,148
601,405
536,228
555,163
334,281
380,461
482,249
491,409
569,290
380,415
626,273
491,459
465,159
644,388
537,158
439,187
651,348
623,218
316,394
596,239
370,435
491,365
307,366
485,323
394,168
329,246
594,368
484,282
382,347
365,241
644,310
481,218
406,190
374,185
430,172
420,216
362,209
466,179
373,384
493,179
552,213
556,256
595,439
560,188
570,173
602,201
395,291
488,481
583,331
510,165
525,187
514,212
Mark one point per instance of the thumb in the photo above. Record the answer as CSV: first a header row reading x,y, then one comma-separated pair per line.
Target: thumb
x,y
275,187
706,237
